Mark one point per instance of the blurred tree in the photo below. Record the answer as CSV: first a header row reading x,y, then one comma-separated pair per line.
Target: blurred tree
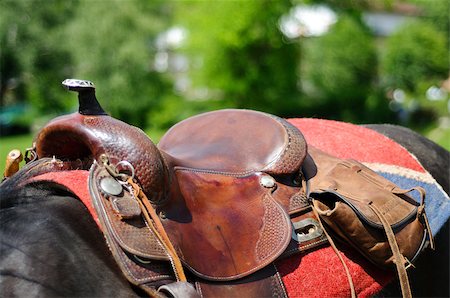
x,y
417,52
237,49
341,66
112,44
33,60
436,12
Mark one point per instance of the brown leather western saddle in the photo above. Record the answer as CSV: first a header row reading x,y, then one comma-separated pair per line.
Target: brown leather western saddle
x,y
208,210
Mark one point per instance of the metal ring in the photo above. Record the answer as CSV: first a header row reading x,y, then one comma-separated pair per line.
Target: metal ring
x,y
141,260
32,152
126,164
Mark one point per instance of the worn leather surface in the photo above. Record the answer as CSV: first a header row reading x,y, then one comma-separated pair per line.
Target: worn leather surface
x,y
206,184
235,141
226,220
216,200
205,180
132,234
264,283
85,138
344,190
137,251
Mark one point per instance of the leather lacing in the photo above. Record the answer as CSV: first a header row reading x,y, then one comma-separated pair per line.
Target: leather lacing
x,y
336,250
156,226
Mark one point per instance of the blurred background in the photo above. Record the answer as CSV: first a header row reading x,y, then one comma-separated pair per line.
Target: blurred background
x,y
155,63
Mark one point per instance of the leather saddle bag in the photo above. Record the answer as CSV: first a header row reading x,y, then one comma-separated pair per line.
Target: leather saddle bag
x,y
379,219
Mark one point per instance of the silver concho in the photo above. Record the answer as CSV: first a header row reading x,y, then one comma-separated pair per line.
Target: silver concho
x,y
111,186
75,83
267,181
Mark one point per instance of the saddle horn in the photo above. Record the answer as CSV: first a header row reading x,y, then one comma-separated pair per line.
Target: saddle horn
x,y
88,103
89,133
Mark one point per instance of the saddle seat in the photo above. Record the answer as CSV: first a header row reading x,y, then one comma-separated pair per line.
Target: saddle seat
x,y
235,142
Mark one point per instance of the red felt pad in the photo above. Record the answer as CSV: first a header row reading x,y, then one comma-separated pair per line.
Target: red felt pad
x,y
77,182
347,140
320,273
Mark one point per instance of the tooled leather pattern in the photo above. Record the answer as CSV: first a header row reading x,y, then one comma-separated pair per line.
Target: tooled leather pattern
x,y
125,142
298,201
294,153
271,235
132,234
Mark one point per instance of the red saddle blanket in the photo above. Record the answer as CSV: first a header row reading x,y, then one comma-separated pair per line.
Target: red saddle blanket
x,y
318,273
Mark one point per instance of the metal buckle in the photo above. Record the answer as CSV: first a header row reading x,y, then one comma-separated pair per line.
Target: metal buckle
x,y
306,230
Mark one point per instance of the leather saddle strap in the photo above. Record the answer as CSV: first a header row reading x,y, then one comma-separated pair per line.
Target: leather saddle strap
x,y
155,224
398,257
266,282
420,210
336,250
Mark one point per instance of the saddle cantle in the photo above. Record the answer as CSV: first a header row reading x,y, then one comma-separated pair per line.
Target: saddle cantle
x,y
223,195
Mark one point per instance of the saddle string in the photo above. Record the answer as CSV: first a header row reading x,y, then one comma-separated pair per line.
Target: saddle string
x,y
336,250
420,210
399,259
155,224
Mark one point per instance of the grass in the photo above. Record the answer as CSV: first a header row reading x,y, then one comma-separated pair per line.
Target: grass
x,y
22,142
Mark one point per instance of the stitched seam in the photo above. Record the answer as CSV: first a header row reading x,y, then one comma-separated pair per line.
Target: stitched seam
x,y
280,280
287,146
199,288
231,174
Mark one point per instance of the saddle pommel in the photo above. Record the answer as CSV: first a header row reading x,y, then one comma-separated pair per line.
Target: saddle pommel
x,y
86,135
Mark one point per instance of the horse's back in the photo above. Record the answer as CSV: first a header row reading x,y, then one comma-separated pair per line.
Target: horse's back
x,y
50,246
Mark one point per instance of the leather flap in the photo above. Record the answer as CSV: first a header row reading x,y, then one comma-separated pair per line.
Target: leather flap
x,y
225,227
131,234
358,186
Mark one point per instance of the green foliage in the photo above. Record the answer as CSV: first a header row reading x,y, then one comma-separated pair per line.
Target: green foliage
x,y
235,51
175,109
341,66
113,46
238,49
436,12
32,63
416,53
108,42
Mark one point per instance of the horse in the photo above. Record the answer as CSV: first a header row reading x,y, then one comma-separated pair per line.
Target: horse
x,y
52,246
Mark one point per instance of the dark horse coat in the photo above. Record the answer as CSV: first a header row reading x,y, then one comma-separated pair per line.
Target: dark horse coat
x,y
50,245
